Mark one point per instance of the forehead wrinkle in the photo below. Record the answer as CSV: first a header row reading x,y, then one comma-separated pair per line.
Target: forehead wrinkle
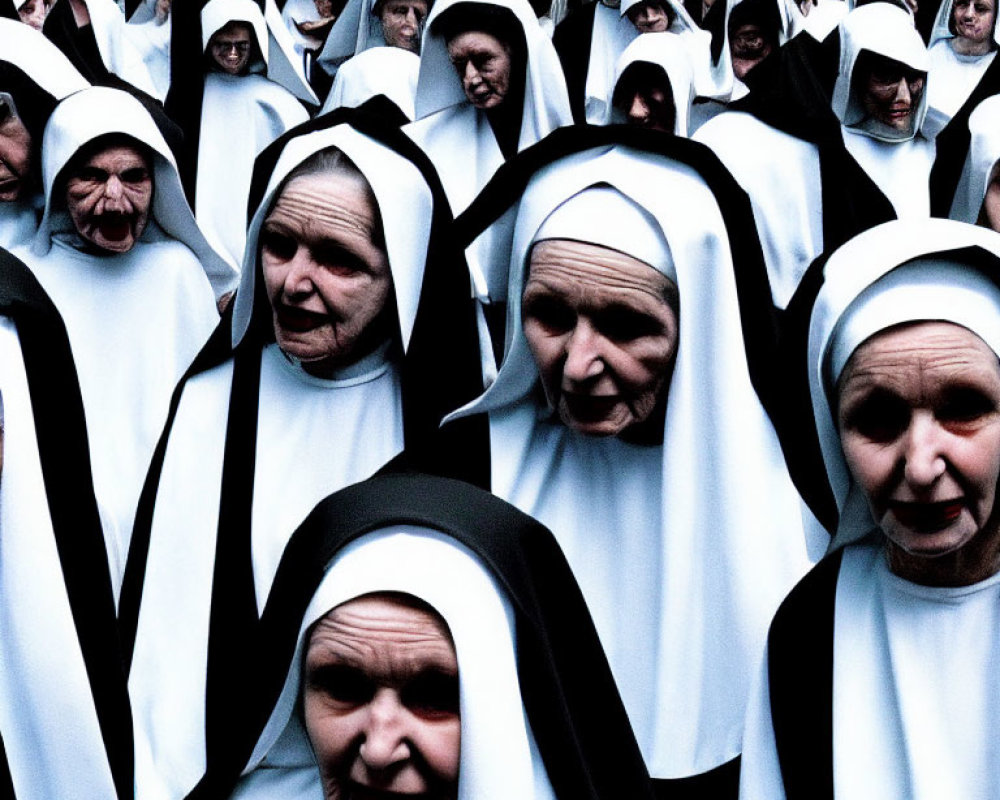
x,y
316,209
593,269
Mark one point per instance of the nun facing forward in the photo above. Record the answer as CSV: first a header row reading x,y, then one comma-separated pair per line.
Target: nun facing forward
x,y
122,258
426,639
623,417
309,391
490,85
880,99
963,44
899,627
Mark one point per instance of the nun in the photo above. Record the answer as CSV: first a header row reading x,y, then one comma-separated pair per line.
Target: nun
x,y
328,368
118,239
152,38
963,45
897,627
64,716
34,76
832,167
977,199
33,12
95,37
654,85
244,89
364,25
508,695
625,418
389,72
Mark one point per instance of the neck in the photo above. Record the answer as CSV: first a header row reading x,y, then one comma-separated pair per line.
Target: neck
x,y
967,47
975,562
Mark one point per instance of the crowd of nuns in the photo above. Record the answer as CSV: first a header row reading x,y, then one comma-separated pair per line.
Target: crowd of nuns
x,y
499,400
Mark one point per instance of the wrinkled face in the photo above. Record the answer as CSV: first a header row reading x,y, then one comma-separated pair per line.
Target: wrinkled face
x,y
649,17
919,421
748,46
230,47
602,333
403,23
891,94
484,65
381,703
34,12
324,8
15,151
327,279
109,196
973,19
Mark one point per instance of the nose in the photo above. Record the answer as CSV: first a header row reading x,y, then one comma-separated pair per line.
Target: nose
x,y
385,733
923,452
298,279
471,76
638,111
411,19
583,354
902,91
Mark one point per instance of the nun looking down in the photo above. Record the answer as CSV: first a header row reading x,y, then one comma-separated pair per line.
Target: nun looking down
x,y
625,394
319,377
116,233
425,638
898,626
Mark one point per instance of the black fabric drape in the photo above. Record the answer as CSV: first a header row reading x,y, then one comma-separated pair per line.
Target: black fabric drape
x,y
572,39
61,432
569,694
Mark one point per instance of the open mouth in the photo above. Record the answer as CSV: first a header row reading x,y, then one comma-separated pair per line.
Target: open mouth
x,y
927,517
298,320
113,228
589,408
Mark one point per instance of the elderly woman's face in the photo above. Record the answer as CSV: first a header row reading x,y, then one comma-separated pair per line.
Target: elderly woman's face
x,y
15,151
109,196
381,702
326,277
919,421
891,92
602,332
483,64
402,23
973,19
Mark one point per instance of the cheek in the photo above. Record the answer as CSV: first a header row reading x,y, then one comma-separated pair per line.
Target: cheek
x,y
329,734
992,206
546,349
441,748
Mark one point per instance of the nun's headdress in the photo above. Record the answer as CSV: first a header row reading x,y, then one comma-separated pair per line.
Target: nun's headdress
x,y
540,716
981,162
944,27
880,29
99,111
898,272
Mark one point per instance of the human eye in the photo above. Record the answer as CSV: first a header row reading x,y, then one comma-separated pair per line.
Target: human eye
x,y
278,244
135,175
342,684
965,405
626,324
338,259
878,416
549,312
432,693
92,175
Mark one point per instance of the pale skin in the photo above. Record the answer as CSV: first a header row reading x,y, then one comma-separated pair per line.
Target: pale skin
x,y
109,197
380,701
973,22
602,332
990,215
483,64
327,279
748,47
919,422
402,23
15,155
231,46
34,12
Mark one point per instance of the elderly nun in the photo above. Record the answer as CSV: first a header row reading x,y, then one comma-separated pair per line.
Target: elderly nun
x,y
897,629
64,714
135,281
625,418
34,76
331,366
506,694
963,44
